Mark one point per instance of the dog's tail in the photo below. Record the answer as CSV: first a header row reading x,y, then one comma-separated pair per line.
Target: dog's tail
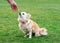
x,y
43,31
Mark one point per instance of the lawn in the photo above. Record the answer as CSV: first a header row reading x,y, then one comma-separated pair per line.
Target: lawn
x,y
45,12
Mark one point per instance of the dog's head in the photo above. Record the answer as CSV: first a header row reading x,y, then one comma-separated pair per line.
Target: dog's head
x,y
24,15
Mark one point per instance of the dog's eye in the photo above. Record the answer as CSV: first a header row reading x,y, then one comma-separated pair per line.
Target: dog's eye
x,y
23,13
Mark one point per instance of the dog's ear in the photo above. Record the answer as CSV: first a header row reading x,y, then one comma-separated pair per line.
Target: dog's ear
x,y
28,16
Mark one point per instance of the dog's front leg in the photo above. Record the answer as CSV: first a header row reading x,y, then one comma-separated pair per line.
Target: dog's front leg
x,y
30,34
26,34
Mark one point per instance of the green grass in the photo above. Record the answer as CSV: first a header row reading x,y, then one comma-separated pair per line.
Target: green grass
x,y
45,12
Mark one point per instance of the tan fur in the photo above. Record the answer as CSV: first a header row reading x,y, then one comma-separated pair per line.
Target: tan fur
x,y
35,26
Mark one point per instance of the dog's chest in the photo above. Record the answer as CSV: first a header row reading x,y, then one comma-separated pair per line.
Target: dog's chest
x,y
25,27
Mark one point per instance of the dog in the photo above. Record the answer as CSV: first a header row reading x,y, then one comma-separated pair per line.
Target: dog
x,y
28,26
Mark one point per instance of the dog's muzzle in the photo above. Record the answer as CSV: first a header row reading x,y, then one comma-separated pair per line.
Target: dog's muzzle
x,y
20,14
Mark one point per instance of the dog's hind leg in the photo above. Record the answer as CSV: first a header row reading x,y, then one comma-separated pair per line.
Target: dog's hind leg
x,y
37,34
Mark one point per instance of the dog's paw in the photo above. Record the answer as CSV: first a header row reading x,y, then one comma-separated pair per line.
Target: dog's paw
x,y
37,35
30,37
25,36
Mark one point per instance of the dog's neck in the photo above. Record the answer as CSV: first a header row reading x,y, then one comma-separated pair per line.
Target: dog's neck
x,y
22,22
25,22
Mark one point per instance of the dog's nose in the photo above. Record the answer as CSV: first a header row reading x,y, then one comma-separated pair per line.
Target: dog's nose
x,y
20,14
